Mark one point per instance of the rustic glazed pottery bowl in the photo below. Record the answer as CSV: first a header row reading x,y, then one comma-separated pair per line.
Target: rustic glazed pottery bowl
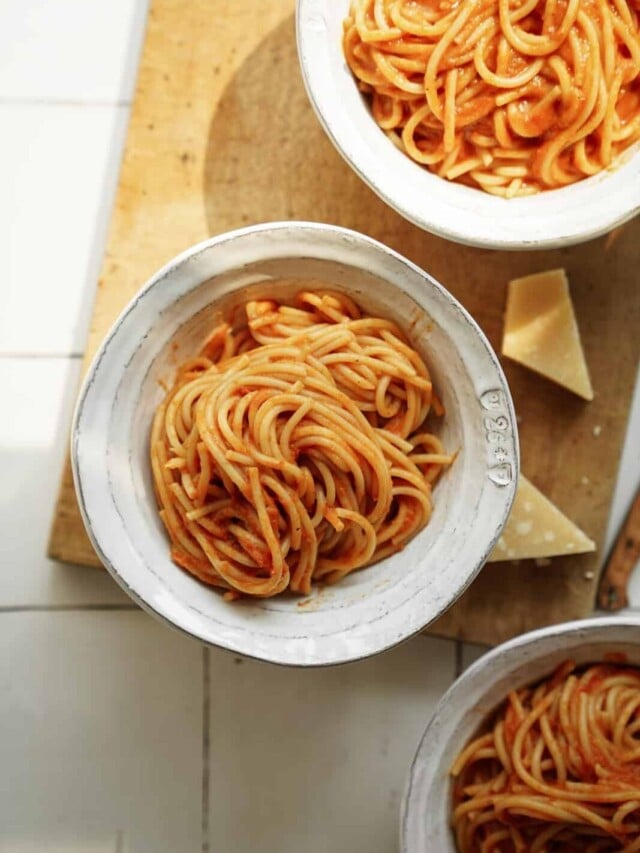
x,y
561,217
426,810
370,610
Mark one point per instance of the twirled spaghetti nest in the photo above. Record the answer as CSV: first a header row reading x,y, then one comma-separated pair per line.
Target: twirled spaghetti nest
x,y
293,448
559,769
509,96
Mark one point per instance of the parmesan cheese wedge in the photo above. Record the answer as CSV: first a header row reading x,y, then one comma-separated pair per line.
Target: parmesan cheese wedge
x,y
540,331
536,528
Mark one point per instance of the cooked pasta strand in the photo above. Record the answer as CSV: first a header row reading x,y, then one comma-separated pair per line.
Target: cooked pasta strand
x,y
561,762
293,448
466,84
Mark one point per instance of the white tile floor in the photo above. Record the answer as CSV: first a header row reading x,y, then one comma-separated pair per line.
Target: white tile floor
x,y
38,394
58,172
321,765
116,734
101,733
74,51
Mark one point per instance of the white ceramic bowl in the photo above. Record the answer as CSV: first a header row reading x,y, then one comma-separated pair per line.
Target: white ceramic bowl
x,y
556,218
426,810
370,610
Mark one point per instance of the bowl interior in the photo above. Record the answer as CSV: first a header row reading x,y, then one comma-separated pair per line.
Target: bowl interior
x,y
560,217
211,302
473,698
166,324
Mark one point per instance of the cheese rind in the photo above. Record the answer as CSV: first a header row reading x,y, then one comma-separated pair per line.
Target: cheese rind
x,y
541,332
536,528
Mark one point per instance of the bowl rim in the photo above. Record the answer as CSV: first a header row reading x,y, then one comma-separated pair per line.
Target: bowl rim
x,y
314,60
589,629
330,232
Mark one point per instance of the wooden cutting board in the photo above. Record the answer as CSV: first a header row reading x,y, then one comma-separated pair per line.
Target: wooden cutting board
x,y
222,135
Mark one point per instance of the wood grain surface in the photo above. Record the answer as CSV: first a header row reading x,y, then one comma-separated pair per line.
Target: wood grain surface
x,y
222,135
614,584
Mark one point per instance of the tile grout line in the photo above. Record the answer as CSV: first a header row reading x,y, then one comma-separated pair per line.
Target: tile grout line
x,y
42,355
206,745
66,608
62,102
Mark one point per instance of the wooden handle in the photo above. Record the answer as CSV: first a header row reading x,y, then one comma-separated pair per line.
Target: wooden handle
x,y
625,554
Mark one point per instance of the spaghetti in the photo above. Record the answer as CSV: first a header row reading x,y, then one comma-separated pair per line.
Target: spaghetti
x,y
293,447
559,769
510,96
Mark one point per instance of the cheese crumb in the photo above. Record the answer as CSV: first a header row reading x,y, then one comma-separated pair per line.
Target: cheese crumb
x,y
589,576
597,430
585,480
